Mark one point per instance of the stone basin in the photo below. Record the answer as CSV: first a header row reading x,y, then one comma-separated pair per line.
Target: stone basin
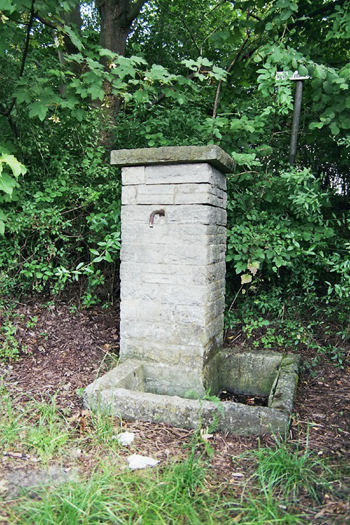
x,y
138,390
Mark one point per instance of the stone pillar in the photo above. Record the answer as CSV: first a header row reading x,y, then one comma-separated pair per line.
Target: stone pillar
x,y
173,264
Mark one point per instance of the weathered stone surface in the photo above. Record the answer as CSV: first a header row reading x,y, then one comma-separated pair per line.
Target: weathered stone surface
x,y
175,194
174,155
174,174
143,401
250,372
188,356
173,299
173,294
283,390
174,314
175,273
173,254
181,215
190,334
202,234
20,479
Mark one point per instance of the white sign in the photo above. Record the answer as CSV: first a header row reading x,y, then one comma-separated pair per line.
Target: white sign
x,y
285,75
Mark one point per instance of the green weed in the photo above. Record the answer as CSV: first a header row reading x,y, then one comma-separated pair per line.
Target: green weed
x,y
285,471
268,511
12,420
50,432
9,347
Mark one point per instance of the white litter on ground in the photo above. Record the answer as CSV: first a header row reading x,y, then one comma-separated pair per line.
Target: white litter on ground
x,y
125,438
137,462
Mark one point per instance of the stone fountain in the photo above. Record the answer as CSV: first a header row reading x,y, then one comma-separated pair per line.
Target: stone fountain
x,y
172,303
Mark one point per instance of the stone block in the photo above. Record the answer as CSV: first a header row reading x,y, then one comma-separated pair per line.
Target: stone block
x,y
175,194
172,355
173,300
160,254
168,401
173,294
176,273
180,215
172,314
173,233
133,175
190,334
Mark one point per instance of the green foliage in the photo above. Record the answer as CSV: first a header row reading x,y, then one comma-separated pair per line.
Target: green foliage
x,y
11,421
164,498
49,434
9,348
8,182
205,75
64,226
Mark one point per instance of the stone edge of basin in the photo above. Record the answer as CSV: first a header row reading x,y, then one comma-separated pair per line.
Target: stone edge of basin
x,y
213,155
108,395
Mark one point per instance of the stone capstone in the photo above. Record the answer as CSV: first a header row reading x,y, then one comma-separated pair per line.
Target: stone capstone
x,y
212,155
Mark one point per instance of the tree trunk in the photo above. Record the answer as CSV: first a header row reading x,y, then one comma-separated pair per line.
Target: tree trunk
x,y
117,17
114,26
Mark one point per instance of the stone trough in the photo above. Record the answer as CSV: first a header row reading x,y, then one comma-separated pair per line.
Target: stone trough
x,y
139,391
172,358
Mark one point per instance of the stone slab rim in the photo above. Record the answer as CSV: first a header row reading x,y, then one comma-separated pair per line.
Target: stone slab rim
x,y
213,155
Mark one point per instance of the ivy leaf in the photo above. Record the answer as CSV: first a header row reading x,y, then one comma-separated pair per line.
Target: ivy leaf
x,y
253,267
246,278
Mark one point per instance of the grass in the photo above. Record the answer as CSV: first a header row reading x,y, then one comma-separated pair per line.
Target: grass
x,y
286,471
175,492
160,497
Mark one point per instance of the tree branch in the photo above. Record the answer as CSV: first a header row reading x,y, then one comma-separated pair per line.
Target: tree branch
x,y
216,102
321,11
135,9
47,22
182,21
7,113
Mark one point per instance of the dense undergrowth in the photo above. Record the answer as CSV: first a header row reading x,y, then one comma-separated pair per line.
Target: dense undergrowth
x,y
69,104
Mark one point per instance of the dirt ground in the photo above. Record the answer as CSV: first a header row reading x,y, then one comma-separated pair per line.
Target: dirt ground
x,y
66,349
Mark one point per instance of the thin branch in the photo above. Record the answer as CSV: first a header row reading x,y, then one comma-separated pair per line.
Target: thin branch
x,y
135,9
182,22
24,57
321,11
47,22
216,102
207,37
